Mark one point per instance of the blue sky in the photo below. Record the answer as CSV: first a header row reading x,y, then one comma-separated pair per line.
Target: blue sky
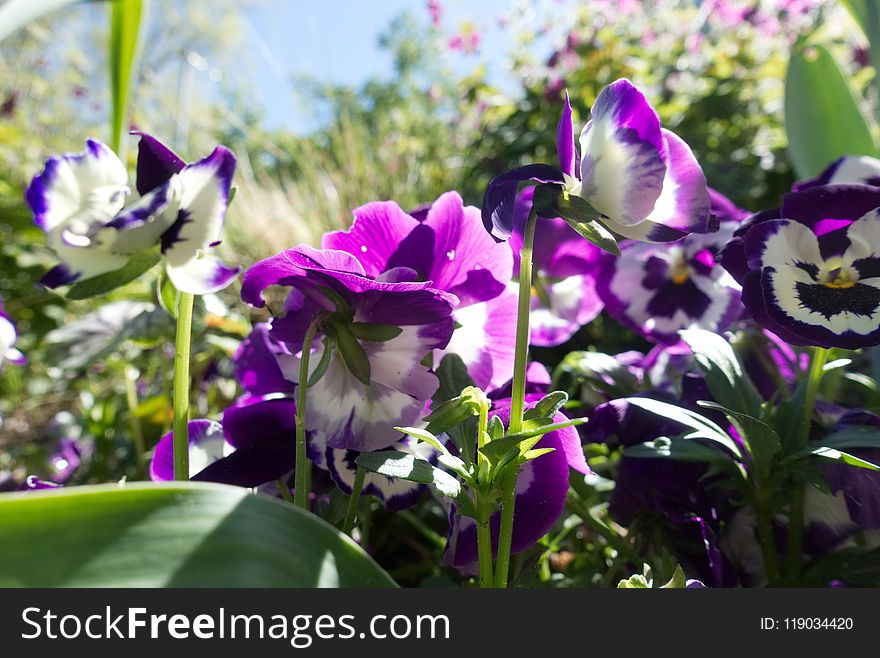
x,y
338,40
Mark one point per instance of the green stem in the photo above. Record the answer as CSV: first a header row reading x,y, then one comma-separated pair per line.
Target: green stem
x,y
180,395
796,514
354,500
131,399
484,509
302,463
517,403
766,537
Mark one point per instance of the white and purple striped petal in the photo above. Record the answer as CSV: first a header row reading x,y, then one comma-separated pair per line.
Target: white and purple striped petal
x,y
859,169
623,155
395,493
8,336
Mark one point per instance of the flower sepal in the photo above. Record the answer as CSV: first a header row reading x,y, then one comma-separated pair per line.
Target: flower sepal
x,y
554,201
101,284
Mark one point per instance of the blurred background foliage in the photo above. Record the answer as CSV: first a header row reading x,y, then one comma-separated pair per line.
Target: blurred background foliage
x,y
716,78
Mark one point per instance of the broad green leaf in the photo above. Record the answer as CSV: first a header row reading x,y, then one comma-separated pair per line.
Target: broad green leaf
x,y
724,374
679,449
852,437
552,201
15,14
823,118
173,535
446,458
678,580
532,432
104,283
123,50
702,427
374,331
832,454
537,452
395,464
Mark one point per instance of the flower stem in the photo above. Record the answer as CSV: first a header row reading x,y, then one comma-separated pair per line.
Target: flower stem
x,y
796,513
354,500
517,403
181,392
302,463
484,508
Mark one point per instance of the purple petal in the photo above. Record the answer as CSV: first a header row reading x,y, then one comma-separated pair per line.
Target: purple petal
x,y
565,144
256,364
861,169
206,445
156,163
725,209
500,199
623,155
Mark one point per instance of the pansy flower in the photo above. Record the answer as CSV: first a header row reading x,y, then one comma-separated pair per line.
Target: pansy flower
x,y
446,244
658,290
79,201
373,335
564,296
642,178
858,169
810,270
541,492
8,336
395,493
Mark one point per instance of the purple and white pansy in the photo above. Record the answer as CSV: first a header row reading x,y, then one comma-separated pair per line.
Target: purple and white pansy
x,y
564,296
207,445
447,245
79,201
642,178
8,337
810,270
541,492
373,335
856,169
658,290
395,493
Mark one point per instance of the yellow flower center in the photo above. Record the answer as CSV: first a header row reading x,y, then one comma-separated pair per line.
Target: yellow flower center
x,y
841,277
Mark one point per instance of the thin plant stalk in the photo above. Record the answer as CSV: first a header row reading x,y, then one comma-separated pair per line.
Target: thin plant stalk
x,y
131,399
484,510
301,474
181,392
517,404
794,556
354,500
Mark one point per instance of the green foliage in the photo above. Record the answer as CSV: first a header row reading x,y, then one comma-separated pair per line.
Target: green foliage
x,y
173,535
822,114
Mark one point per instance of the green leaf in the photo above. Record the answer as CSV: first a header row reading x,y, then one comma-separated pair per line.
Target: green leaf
x,y
496,427
637,581
679,449
552,201
446,458
762,441
852,437
351,352
173,535
823,118
169,296
537,452
533,430
395,464
832,454
724,374
374,331
454,378
323,364
15,14
678,580
124,48
702,427
104,283
547,406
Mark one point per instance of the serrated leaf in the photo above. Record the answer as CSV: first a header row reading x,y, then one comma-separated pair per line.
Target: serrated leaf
x,y
446,458
104,283
374,331
396,464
